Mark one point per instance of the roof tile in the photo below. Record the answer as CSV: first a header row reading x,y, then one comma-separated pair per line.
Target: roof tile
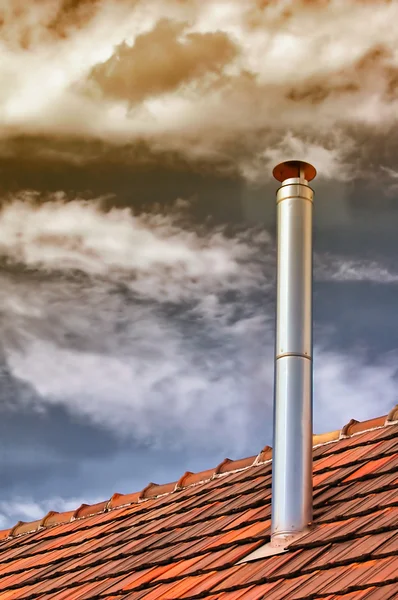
x,y
354,426
184,539
86,510
385,592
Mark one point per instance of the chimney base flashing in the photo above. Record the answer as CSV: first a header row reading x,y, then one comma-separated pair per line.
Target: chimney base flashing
x,y
267,550
277,545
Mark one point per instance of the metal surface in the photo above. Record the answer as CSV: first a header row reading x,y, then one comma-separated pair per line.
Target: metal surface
x,y
292,455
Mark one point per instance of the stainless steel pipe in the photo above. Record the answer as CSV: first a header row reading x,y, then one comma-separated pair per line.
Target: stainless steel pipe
x,y
292,446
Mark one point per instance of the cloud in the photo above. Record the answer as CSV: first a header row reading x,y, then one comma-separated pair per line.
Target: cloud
x,y
159,255
327,157
227,83
391,172
339,268
26,26
124,320
161,61
174,393
391,188
158,331
154,254
164,392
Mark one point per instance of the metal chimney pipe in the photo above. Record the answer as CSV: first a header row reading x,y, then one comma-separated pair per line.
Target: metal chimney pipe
x,y
292,446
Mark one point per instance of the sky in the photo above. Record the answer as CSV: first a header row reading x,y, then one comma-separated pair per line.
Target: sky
x,y
137,231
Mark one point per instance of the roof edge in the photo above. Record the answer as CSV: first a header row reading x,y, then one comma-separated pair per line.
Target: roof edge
x,y
189,479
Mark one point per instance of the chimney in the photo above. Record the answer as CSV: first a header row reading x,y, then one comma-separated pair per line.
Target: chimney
x,y
291,502
292,445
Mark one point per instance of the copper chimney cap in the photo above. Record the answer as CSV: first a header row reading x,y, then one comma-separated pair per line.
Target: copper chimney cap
x,y
294,168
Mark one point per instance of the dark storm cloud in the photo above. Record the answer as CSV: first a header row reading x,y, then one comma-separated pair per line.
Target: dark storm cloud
x,y
28,25
160,61
72,14
351,80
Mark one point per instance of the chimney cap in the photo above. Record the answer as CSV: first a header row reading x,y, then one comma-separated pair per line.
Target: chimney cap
x,y
294,168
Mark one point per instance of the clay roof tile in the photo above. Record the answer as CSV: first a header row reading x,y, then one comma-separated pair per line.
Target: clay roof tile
x,y
25,527
182,481
193,478
87,510
152,490
118,500
265,454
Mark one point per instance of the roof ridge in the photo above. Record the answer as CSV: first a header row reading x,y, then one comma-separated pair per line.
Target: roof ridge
x,y
189,479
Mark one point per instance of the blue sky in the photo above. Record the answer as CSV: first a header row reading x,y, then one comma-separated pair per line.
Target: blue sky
x,y
137,232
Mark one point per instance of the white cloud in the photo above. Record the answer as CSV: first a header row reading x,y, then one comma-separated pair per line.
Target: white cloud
x,y
103,347
154,255
329,161
127,365
163,391
338,268
163,338
159,256
176,394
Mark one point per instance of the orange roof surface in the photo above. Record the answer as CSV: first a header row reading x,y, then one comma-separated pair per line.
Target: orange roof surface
x,y
184,540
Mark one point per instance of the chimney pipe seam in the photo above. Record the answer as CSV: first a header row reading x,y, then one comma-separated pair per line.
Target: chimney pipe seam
x,y
293,197
299,354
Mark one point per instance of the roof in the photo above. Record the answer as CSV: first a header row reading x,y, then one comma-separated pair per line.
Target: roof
x,y
184,540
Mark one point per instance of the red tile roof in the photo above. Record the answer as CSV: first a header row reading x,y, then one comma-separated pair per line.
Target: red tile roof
x,y
184,540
